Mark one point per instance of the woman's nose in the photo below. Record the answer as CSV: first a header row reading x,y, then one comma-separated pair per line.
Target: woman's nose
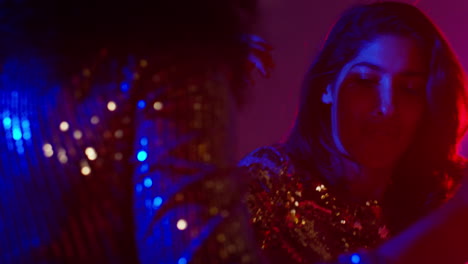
x,y
386,99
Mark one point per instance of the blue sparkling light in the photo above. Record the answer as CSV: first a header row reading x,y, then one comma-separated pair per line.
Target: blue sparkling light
x,y
356,259
26,129
7,122
25,123
142,155
19,146
144,141
27,135
144,168
138,188
141,104
20,150
157,201
17,135
148,182
182,261
124,87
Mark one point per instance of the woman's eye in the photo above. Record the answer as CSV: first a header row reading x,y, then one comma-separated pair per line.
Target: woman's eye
x,y
367,82
413,88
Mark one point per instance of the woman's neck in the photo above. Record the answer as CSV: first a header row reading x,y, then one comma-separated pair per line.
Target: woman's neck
x,y
364,183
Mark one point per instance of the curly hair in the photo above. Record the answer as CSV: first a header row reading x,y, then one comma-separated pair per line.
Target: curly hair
x,y
195,34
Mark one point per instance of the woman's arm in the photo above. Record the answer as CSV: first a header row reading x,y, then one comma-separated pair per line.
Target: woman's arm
x,y
441,237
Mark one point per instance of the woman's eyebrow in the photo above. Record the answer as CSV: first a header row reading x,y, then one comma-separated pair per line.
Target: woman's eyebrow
x,y
406,73
368,65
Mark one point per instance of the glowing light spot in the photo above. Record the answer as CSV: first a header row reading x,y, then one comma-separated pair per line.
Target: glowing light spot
x,y
27,135
182,224
7,123
111,106
124,87
47,149
141,104
26,129
356,259
62,156
118,156
25,123
182,261
148,182
17,135
86,72
64,126
197,106
158,106
86,170
77,134
20,150
157,201
91,153
144,168
95,120
142,155
118,133
138,188
144,141
143,63
148,203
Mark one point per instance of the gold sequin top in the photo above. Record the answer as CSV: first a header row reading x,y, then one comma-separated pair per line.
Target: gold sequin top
x,y
299,218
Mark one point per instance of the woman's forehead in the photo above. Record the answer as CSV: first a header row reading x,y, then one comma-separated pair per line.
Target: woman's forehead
x,y
390,54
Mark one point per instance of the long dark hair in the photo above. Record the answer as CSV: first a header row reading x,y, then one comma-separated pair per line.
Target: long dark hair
x,y
422,172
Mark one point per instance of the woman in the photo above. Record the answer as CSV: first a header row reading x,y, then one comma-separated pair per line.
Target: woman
x,y
374,144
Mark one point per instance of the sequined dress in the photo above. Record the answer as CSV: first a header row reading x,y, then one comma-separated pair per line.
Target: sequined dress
x,y
299,217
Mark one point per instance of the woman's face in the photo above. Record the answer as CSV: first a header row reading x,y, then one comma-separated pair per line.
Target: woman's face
x,y
378,101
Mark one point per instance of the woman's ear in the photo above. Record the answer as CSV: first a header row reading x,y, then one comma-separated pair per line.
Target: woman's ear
x,y
327,97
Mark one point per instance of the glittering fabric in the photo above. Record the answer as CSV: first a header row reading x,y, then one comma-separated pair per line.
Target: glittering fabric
x,y
84,167
186,144
299,218
66,168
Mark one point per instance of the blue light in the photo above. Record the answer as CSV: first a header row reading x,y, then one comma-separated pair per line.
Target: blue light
x,y
124,87
17,135
20,150
148,182
182,261
27,135
138,188
25,123
144,141
144,168
142,155
19,146
355,258
157,201
7,122
26,129
141,104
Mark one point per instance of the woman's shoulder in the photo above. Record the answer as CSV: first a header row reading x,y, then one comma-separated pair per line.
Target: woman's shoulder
x,y
273,160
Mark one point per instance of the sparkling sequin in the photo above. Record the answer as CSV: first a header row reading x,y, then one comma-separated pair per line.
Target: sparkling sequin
x,y
301,215
182,224
158,106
